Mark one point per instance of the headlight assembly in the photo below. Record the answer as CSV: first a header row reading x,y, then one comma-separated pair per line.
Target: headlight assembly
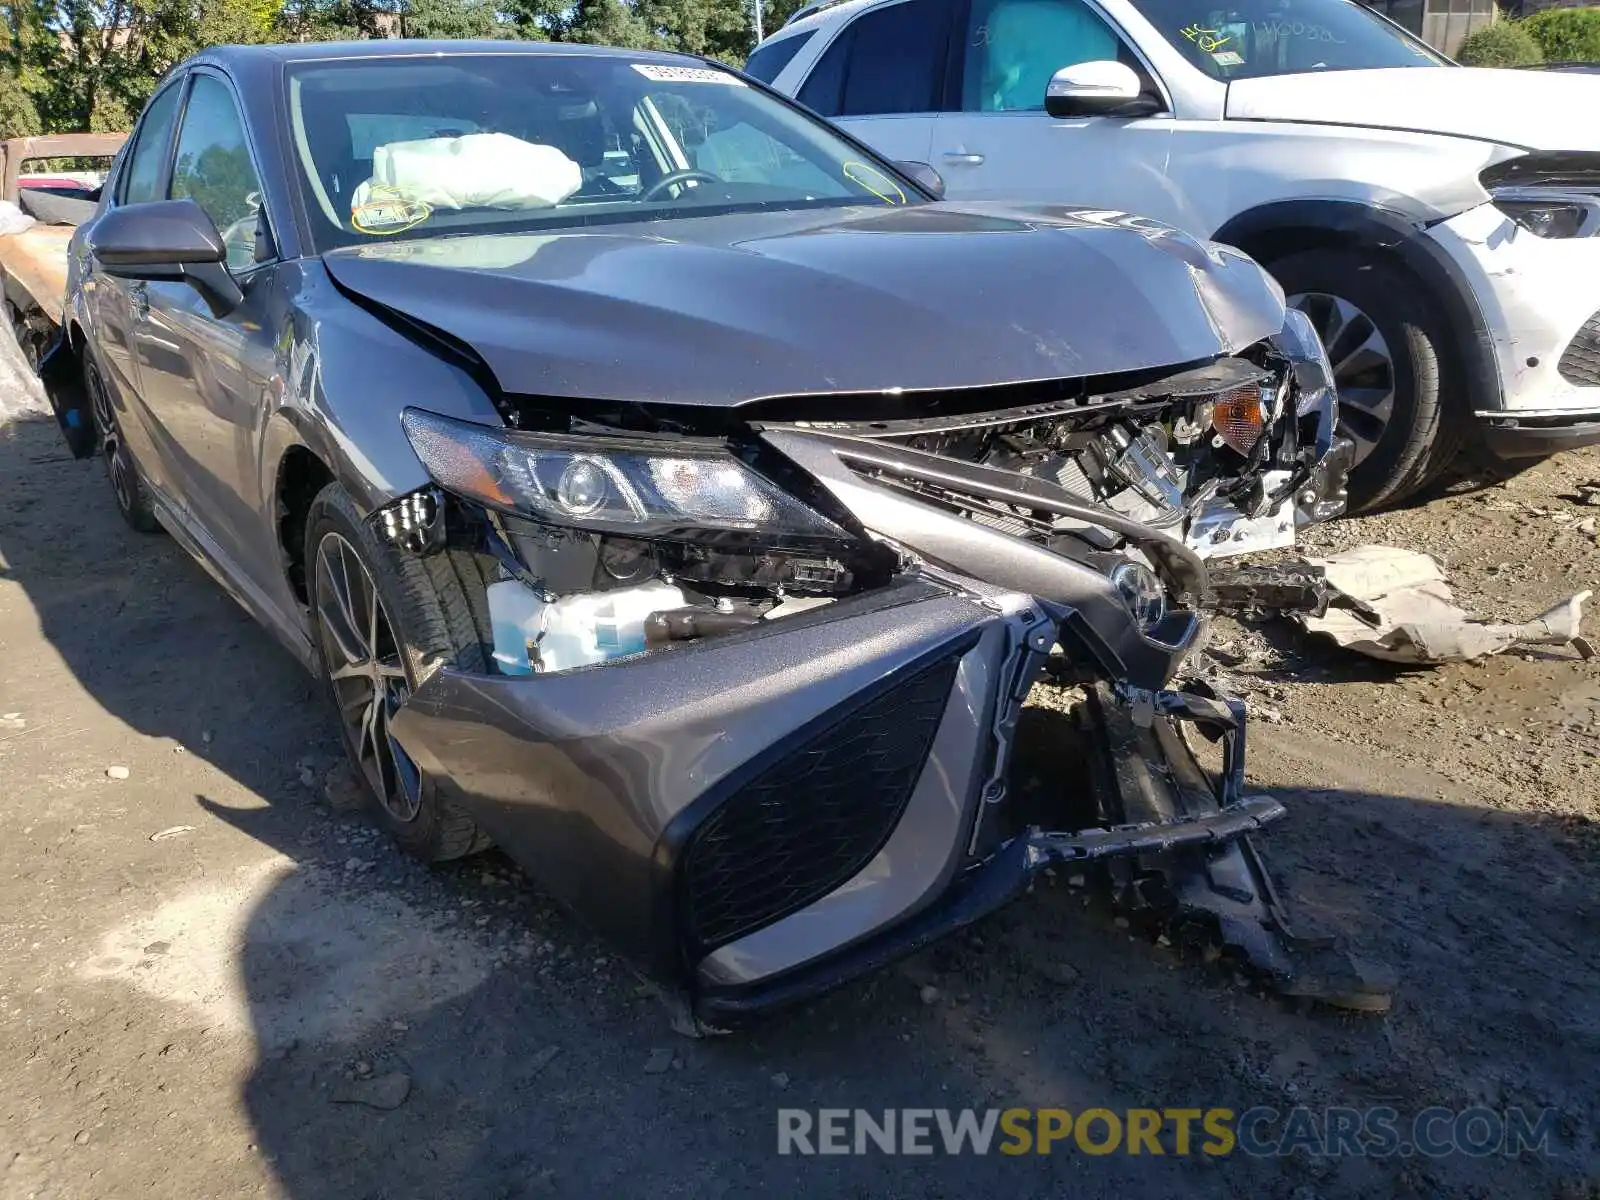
x,y
622,485
1550,215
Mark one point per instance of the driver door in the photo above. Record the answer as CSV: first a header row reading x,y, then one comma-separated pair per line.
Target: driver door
x,y
205,378
1002,145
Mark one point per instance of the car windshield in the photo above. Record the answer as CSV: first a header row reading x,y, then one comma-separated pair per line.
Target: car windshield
x,y
482,143
1252,38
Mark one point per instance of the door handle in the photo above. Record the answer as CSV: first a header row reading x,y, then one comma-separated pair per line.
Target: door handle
x,y
963,158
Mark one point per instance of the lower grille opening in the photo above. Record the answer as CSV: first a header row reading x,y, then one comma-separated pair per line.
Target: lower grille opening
x,y
1580,362
816,817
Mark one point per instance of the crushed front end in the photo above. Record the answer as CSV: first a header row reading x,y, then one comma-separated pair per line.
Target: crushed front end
x,y
756,689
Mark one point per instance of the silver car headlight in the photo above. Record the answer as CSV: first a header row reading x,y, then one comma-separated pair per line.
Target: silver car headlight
x,y
632,486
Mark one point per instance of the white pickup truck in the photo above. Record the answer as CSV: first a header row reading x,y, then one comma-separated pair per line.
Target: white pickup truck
x,y
33,262
1439,224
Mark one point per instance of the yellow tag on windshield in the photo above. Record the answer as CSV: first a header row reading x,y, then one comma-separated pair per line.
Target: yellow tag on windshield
x,y
387,212
875,181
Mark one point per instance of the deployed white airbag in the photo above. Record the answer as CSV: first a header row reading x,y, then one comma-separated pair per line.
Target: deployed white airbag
x,y
477,170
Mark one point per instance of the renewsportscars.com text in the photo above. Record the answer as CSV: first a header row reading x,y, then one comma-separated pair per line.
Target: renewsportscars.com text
x,y
1377,1132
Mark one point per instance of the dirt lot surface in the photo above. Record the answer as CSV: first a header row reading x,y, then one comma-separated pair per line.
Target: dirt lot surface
x,y
215,981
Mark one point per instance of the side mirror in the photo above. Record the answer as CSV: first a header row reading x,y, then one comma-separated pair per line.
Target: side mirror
x,y
167,240
924,176
1097,88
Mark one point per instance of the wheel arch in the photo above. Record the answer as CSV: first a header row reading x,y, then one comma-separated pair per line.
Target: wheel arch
x,y
296,465
1275,230
61,374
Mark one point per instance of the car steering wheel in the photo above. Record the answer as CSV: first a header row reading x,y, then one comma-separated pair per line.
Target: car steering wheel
x,y
675,177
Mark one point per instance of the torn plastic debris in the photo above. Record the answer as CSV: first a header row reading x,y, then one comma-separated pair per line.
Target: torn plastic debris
x,y
1418,619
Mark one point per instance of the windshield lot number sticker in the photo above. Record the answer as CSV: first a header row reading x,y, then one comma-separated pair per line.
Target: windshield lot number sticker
x,y
663,74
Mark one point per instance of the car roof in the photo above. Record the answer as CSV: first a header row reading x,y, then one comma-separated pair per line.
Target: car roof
x,y
230,55
821,12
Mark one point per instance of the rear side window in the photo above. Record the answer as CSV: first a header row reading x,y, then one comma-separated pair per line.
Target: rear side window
x,y
142,179
889,60
765,62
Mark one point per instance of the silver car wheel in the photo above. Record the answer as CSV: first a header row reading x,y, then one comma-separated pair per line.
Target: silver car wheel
x,y
1363,366
362,658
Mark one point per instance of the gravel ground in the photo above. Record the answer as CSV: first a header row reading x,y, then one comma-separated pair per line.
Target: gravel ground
x,y
216,981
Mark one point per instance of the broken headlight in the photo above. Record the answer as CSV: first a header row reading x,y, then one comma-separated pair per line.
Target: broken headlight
x,y
1549,216
633,486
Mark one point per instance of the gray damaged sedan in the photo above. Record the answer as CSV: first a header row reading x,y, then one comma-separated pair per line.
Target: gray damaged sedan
x,y
679,496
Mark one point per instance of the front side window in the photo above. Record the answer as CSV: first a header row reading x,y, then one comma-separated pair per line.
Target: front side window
x,y
428,145
888,60
1284,37
1015,46
141,180
766,62
213,168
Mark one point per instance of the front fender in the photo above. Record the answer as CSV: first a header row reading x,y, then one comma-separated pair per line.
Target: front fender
x,y
344,377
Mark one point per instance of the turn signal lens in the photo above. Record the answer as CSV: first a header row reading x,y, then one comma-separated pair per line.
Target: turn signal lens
x,y
1239,417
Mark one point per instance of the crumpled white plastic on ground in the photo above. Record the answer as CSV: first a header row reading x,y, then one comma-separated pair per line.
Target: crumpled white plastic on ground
x,y
13,219
476,170
1420,621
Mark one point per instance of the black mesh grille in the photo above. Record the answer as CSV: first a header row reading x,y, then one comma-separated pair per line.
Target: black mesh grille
x,y
1580,363
814,818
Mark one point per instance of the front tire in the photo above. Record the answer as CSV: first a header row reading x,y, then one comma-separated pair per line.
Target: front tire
x,y
127,485
385,621
1391,363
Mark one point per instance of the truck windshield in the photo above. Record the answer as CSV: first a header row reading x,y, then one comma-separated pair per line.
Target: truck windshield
x,y
429,145
1284,37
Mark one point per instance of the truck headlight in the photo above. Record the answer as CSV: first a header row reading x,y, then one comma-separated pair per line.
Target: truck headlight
x,y
1547,216
626,485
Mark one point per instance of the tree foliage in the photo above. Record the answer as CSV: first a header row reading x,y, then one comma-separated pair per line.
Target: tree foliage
x,y
69,65
1566,34
1503,44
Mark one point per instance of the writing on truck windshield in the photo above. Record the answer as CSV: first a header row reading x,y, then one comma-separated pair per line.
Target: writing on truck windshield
x,y
1283,37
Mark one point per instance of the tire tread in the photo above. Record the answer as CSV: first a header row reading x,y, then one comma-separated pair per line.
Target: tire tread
x,y
427,599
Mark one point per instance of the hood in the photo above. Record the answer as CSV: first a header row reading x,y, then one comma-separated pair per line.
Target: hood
x,y
1537,110
721,310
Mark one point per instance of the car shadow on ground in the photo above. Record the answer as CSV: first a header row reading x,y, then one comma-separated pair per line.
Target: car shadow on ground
x,y
451,1033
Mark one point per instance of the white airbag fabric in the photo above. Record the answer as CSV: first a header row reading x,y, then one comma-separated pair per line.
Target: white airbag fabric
x,y
477,170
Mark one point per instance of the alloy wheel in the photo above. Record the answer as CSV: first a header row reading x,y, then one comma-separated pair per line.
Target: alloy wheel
x,y
362,657
119,467
1363,366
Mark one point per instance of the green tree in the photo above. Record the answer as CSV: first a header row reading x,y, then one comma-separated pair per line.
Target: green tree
x,y
600,23
452,19
20,79
1566,34
773,15
1503,44
721,29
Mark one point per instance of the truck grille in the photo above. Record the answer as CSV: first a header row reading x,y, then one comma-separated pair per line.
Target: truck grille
x,y
815,818
1580,363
